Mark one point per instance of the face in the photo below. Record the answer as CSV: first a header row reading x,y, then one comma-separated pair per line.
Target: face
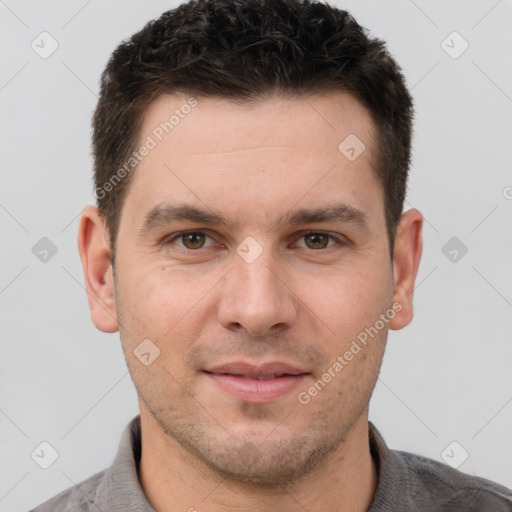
x,y
253,254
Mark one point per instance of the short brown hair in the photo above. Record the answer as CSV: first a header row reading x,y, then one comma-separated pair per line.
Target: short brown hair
x,y
244,50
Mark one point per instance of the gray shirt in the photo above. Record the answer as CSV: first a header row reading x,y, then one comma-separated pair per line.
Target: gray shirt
x,y
406,483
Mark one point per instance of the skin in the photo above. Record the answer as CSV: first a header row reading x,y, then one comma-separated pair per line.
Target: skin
x,y
303,300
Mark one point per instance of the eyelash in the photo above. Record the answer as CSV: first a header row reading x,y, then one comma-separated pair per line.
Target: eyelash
x,y
175,236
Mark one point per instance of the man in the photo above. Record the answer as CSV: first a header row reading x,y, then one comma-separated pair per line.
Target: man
x,y
251,162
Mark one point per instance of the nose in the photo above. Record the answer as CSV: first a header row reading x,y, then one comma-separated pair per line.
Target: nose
x,y
256,297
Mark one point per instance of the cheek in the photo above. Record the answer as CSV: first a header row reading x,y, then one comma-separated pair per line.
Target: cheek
x,y
154,305
161,303
347,302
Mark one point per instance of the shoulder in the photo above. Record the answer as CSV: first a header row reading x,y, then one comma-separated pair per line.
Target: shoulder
x,y
115,489
78,498
430,481
412,483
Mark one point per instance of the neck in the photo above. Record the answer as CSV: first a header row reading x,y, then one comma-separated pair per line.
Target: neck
x,y
174,480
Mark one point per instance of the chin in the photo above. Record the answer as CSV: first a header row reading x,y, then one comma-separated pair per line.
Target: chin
x,y
261,462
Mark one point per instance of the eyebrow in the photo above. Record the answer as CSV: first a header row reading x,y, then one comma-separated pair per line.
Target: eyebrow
x,y
164,214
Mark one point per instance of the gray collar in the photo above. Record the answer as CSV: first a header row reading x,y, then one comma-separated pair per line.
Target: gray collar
x,y
119,490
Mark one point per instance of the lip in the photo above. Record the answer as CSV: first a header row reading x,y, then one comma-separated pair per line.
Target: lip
x,y
257,383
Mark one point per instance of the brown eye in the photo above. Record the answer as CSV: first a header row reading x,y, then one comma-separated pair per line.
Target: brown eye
x,y
316,240
188,241
193,240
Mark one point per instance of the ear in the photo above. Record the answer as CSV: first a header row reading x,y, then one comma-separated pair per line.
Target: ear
x,y
94,248
406,260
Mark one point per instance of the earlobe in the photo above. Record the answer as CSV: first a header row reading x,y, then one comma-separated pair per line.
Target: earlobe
x,y
93,245
406,260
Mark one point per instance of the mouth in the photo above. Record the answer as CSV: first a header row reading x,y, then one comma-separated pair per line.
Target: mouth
x,y
257,383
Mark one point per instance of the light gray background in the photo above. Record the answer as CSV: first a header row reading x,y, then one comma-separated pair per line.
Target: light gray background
x,y
447,377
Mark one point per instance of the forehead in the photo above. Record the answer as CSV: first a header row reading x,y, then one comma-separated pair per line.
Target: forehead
x,y
256,159
219,124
